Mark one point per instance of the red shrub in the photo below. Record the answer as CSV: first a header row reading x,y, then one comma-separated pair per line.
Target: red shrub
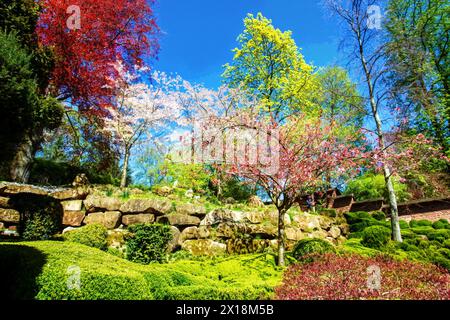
x,y
342,277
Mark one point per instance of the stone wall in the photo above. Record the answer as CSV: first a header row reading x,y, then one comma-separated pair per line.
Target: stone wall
x,y
196,230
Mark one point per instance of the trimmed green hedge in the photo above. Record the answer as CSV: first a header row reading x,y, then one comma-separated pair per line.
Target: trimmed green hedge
x,y
41,270
307,247
93,235
376,237
147,242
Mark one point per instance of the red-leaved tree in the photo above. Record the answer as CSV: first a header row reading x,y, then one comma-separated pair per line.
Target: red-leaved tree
x,y
86,49
87,38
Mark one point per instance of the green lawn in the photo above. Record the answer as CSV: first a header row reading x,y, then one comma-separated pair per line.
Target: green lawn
x,y
43,269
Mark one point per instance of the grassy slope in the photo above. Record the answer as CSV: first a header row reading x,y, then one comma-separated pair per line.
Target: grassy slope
x,y
40,270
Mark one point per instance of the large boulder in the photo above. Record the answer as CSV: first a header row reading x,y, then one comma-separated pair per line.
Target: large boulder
x,y
163,191
334,232
155,206
203,232
70,194
255,201
191,209
73,218
181,220
264,231
230,230
116,239
325,222
130,219
10,188
222,215
72,205
174,243
4,203
189,233
245,246
294,234
110,219
80,180
204,247
9,215
255,217
272,216
307,222
98,203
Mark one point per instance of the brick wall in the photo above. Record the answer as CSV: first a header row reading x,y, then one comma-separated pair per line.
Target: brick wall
x,y
432,216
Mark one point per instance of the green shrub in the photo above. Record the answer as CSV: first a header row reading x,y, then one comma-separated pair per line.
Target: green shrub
x,y
441,261
39,270
59,173
328,212
41,216
376,237
420,223
423,230
446,244
307,247
355,235
444,252
441,224
408,234
370,186
379,215
403,224
355,217
439,235
365,223
147,242
92,235
438,225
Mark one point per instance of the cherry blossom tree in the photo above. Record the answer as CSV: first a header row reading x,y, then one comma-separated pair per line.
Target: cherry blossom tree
x,y
141,110
297,159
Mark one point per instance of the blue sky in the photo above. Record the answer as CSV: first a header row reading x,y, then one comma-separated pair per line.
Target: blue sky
x,y
198,35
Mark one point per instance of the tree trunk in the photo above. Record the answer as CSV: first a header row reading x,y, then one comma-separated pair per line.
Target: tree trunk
x,y
395,226
281,237
21,164
123,180
396,235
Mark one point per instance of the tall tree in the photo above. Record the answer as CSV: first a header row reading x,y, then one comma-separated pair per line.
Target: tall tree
x,y
368,52
141,111
418,35
84,57
26,109
292,162
341,103
270,67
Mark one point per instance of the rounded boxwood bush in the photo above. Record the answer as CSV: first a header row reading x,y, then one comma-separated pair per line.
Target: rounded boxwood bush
x,y
403,224
147,242
441,224
376,237
40,216
420,223
439,235
305,248
379,215
355,217
92,235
